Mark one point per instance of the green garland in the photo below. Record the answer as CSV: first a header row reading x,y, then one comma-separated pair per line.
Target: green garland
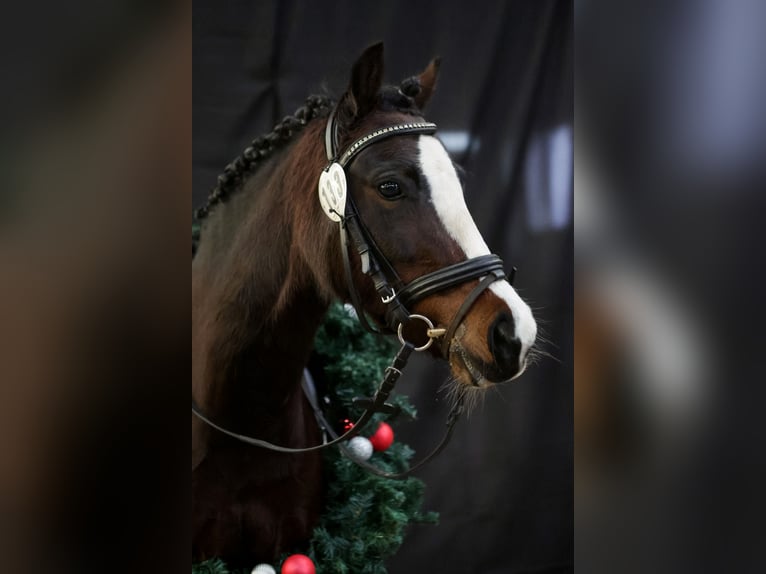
x,y
365,515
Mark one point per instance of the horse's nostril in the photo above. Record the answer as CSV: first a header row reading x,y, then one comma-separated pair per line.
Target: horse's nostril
x,y
504,345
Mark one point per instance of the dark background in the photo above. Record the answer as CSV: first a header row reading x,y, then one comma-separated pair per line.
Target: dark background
x,y
504,487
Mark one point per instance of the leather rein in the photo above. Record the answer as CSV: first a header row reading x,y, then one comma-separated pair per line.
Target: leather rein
x,y
339,206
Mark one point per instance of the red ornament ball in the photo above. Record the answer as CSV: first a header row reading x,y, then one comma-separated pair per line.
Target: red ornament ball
x,y
298,564
383,437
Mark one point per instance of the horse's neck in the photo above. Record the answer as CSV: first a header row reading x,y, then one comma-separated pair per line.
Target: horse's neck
x,y
256,303
262,390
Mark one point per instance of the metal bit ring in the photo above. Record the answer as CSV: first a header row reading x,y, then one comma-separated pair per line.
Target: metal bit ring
x,y
430,331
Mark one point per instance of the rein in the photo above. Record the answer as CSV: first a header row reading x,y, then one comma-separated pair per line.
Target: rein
x,y
378,404
339,206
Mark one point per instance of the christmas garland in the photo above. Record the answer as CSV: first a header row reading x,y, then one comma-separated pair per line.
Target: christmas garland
x,y
365,515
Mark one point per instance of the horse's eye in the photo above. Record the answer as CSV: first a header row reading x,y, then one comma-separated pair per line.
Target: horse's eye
x,y
390,190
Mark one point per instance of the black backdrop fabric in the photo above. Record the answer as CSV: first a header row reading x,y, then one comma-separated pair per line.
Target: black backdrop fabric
x,y
504,106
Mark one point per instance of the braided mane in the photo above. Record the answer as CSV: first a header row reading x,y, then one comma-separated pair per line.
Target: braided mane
x,y
262,148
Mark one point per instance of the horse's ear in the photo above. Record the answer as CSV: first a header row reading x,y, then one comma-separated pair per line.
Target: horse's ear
x,y
427,81
366,80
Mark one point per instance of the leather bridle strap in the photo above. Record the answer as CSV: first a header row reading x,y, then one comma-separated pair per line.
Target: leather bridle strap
x,y
392,374
454,415
354,295
450,276
467,304
375,265
413,128
489,266
331,137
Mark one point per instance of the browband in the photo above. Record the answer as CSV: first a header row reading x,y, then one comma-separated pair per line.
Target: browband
x,y
384,133
331,138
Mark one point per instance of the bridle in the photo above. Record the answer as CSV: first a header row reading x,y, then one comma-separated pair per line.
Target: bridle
x,y
339,206
390,288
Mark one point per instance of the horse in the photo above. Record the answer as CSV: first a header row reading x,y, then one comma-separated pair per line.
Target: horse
x,y
269,264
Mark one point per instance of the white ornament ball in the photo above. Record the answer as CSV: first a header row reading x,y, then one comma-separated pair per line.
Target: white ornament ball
x,y
263,569
360,448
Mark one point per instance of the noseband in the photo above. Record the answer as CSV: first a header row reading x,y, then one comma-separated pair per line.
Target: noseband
x,y
339,206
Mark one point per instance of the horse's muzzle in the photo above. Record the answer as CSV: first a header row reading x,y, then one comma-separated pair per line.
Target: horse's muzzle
x,y
505,347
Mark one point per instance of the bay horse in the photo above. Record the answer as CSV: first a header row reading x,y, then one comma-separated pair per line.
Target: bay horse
x,y
268,265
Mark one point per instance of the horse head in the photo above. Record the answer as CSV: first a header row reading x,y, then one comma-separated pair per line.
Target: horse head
x,y
405,200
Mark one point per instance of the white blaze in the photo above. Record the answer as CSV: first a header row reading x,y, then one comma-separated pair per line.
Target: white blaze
x,y
448,201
